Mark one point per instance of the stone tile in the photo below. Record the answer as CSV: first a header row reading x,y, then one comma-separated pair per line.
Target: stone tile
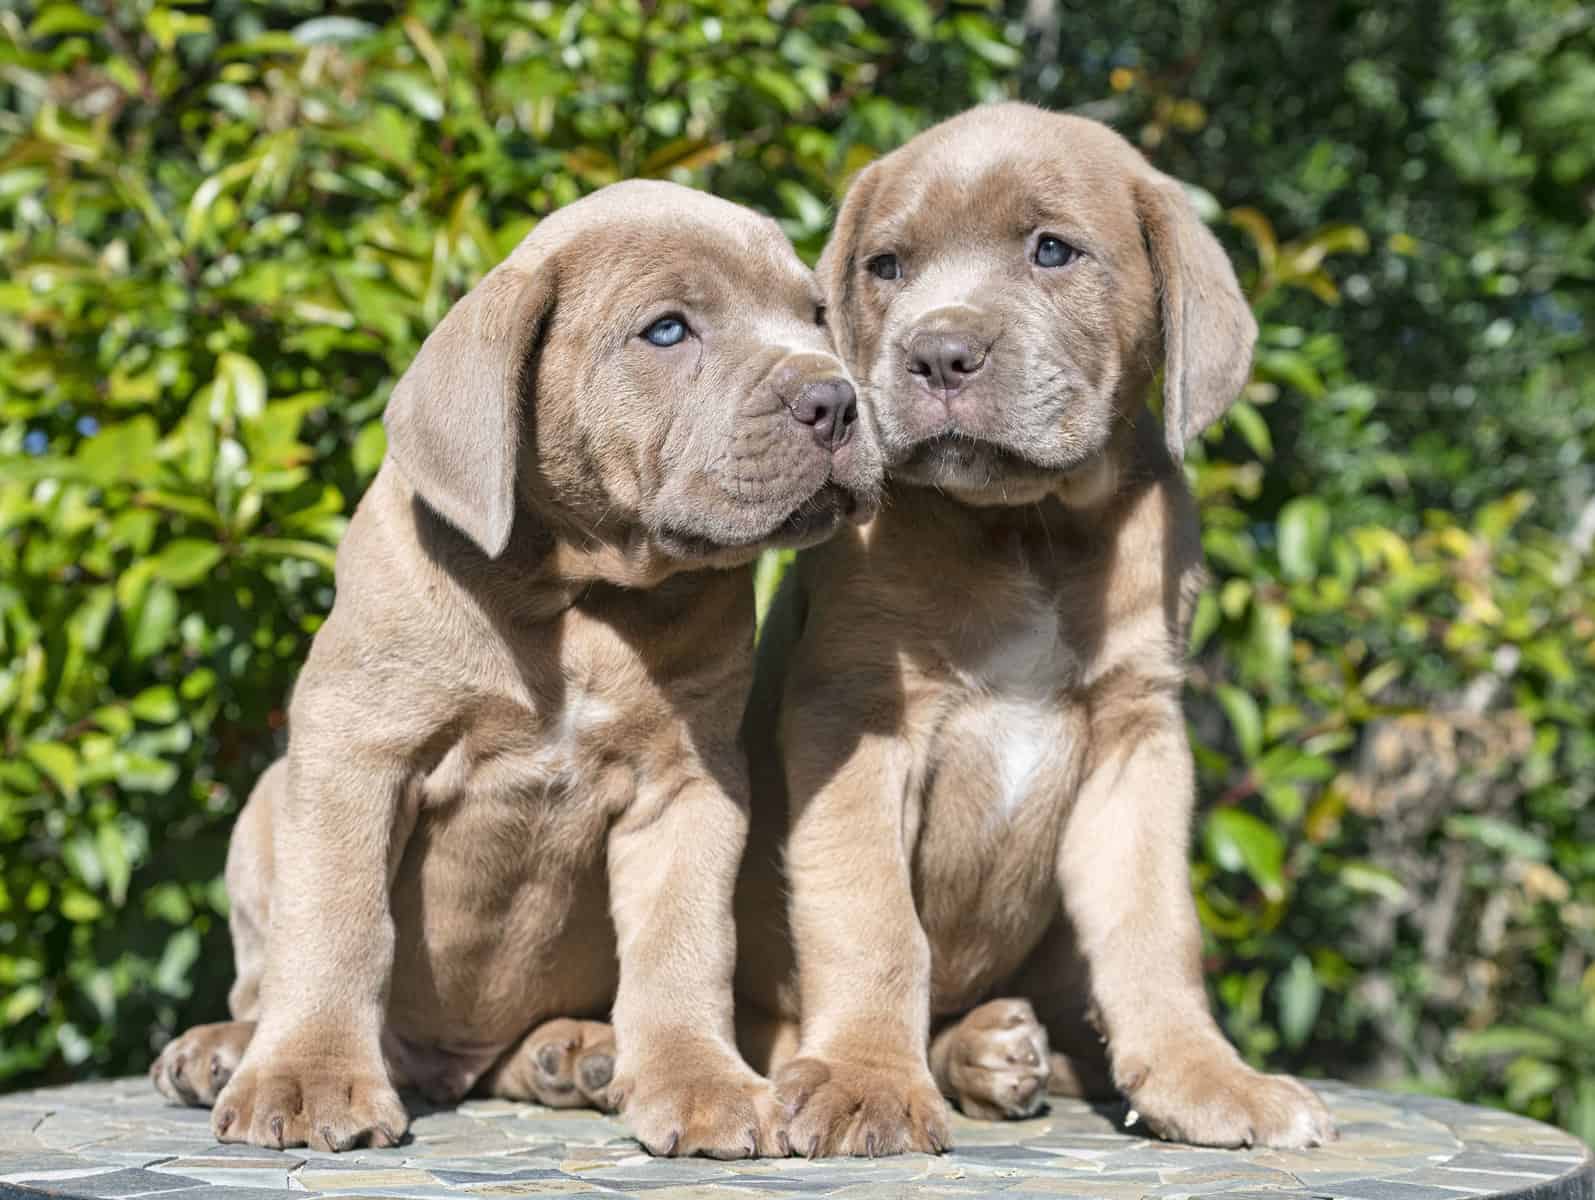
x,y
228,1192
1392,1189
129,1181
15,1167
315,1177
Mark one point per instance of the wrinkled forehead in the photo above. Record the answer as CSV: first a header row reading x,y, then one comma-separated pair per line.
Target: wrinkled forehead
x,y
664,243
978,183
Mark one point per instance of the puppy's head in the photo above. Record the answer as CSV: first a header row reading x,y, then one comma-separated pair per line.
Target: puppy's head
x,y
648,370
1005,285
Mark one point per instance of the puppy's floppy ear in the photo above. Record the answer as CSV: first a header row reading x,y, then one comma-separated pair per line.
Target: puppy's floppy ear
x,y
1208,328
836,268
454,419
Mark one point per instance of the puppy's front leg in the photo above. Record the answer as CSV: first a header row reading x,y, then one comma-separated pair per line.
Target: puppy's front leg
x,y
1126,883
679,1081
314,1073
860,1083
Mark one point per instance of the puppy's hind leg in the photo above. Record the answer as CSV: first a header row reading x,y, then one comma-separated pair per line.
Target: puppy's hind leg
x,y
993,1063
195,1066
562,1063
1057,983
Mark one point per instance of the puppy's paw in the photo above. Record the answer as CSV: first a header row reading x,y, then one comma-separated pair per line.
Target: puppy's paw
x,y
317,1106
994,1063
563,1064
831,1107
1212,1098
719,1114
196,1065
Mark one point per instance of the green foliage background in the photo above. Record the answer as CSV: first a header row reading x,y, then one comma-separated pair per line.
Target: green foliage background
x,y
226,228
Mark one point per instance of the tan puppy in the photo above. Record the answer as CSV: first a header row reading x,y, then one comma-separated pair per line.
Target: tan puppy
x,y
512,789
967,729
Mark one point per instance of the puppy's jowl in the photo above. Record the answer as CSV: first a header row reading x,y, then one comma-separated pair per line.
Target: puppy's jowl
x,y
512,790
966,735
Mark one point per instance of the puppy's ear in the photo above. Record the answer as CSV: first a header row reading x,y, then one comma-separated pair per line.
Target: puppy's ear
x,y
454,419
1208,328
836,269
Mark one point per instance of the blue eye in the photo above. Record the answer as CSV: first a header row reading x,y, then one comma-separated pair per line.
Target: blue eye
x,y
1054,252
666,331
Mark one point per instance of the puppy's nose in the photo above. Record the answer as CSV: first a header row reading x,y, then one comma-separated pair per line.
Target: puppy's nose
x,y
946,361
829,407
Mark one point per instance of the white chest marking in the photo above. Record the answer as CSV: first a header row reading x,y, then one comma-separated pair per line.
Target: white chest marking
x,y
1024,735
581,718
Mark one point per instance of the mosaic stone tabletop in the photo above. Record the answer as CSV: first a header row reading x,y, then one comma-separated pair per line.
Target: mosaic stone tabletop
x,y
120,1140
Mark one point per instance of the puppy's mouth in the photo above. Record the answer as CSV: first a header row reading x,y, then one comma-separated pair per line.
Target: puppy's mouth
x,y
973,463
809,523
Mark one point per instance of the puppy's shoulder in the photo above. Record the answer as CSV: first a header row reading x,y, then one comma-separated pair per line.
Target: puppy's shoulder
x,y
1152,573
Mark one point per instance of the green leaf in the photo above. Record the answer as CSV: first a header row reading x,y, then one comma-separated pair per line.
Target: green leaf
x,y
58,761
245,383
56,19
141,773
182,951
1303,534
157,618
767,575
1205,621
122,451
186,561
1245,718
114,861
321,31
79,907
24,1002
1528,1079
156,704
414,92
1299,998
1501,836
1237,841
1249,423
1373,881
323,556
1505,1039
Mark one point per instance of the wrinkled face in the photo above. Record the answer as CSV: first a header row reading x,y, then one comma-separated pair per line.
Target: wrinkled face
x,y
692,389
995,299
650,371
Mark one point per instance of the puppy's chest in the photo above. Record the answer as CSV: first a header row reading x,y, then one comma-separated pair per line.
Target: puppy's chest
x,y
576,728
998,764
1011,670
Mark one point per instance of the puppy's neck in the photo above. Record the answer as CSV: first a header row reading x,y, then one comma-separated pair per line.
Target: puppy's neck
x,y
546,567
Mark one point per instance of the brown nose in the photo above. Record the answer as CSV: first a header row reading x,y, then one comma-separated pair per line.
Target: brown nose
x,y
829,408
945,361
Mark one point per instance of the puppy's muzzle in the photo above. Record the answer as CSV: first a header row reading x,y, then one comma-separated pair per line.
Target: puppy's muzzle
x,y
819,398
828,407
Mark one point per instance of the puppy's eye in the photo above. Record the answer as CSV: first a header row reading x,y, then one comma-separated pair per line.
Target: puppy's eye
x,y
1054,252
819,315
885,266
666,331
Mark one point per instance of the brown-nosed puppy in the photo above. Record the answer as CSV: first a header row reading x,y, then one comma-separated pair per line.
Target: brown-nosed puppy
x,y
512,789
966,735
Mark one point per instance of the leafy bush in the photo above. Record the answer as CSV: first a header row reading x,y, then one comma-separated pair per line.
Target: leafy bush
x,y
227,228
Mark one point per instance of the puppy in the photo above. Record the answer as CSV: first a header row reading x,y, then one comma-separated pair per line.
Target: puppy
x,y
966,733
512,789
